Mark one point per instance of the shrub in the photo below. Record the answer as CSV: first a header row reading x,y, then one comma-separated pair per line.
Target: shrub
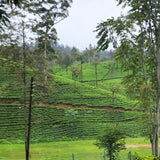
x,y
141,157
4,141
112,140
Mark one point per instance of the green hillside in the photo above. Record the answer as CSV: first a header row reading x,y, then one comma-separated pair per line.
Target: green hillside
x,y
52,123
65,92
106,70
96,108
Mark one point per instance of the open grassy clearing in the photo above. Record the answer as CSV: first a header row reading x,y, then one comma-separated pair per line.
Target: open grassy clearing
x,y
83,150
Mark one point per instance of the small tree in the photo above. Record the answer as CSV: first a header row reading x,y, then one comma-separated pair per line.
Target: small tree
x,y
75,73
67,61
96,62
112,140
114,89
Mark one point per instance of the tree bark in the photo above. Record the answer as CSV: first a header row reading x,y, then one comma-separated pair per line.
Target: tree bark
x,y
96,74
24,89
45,56
156,129
81,70
143,65
29,121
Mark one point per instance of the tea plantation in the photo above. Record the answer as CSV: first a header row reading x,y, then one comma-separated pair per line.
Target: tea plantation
x,y
90,109
52,123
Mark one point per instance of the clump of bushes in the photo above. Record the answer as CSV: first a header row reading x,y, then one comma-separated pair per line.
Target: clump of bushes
x,y
113,141
141,157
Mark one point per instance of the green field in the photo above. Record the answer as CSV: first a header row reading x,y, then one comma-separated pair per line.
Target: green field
x,y
83,150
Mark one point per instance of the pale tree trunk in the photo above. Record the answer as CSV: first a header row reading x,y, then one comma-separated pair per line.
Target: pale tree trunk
x,y
156,128
24,90
45,56
81,71
143,65
113,98
96,74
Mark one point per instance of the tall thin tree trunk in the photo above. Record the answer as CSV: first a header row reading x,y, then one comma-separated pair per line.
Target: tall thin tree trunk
x,y
81,71
24,90
45,56
96,74
156,129
29,121
143,65
143,56
113,98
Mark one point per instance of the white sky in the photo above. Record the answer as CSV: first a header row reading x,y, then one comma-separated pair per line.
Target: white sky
x,y
84,15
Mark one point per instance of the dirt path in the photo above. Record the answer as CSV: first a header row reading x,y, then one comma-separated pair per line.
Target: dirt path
x,y
71,106
110,108
140,146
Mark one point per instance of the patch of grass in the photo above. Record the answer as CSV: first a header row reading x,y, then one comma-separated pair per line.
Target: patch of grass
x,y
137,141
63,150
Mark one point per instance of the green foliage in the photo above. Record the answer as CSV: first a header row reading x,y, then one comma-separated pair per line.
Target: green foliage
x,y
75,72
4,141
48,17
3,14
52,124
141,157
137,39
112,140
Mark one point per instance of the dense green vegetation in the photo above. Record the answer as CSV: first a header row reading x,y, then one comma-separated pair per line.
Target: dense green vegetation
x,y
78,94
51,123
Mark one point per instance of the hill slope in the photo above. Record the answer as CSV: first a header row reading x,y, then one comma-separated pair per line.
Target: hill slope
x,y
51,123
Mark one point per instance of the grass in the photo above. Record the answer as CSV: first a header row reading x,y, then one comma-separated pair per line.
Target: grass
x,y
83,150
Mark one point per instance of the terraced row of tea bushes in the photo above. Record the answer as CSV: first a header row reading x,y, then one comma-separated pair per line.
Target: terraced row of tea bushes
x,y
11,122
51,123
64,92
105,70
82,123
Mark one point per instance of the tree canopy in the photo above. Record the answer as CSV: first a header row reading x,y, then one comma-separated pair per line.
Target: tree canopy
x,y
136,37
3,15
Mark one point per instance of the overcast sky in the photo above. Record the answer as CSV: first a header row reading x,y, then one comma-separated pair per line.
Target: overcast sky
x,y
84,15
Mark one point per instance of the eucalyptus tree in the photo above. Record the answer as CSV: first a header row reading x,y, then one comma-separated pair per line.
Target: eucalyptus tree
x,y
3,14
48,14
96,62
137,39
15,35
80,58
89,53
74,53
66,61
75,73
114,88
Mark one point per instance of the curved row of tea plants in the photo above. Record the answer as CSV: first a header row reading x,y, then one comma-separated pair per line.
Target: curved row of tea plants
x,y
52,123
